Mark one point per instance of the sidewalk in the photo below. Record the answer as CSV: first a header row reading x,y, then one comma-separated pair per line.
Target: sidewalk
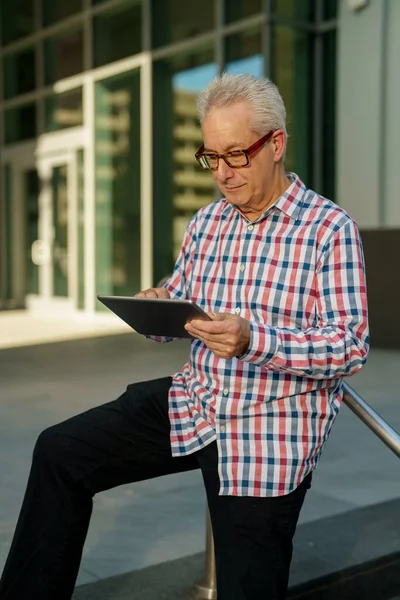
x,y
136,526
21,328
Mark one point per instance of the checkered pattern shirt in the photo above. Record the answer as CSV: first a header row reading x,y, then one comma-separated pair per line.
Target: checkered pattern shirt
x,y
297,275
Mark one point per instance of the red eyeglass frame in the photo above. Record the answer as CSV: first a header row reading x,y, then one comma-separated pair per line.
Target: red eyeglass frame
x,y
247,151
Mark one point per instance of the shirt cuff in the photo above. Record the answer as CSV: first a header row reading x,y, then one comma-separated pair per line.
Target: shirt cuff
x,y
263,344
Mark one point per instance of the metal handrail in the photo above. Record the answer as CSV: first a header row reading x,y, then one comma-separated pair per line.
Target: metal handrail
x,y
207,589
372,419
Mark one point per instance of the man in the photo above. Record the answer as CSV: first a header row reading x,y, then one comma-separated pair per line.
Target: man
x,y
280,270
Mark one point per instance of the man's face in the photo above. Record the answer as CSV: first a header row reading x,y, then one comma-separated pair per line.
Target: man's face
x,y
226,129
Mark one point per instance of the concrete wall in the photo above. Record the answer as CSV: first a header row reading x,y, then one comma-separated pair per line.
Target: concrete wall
x,y
358,117
368,151
391,211
368,109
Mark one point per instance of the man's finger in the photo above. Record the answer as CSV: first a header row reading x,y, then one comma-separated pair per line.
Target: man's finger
x,y
153,293
162,293
213,327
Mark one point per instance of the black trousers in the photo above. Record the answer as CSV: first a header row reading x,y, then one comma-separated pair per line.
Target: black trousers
x,y
126,441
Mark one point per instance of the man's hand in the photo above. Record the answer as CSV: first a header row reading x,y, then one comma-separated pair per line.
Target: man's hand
x,y
153,293
226,335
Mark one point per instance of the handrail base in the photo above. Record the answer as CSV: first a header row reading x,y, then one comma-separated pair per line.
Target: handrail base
x,y
204,592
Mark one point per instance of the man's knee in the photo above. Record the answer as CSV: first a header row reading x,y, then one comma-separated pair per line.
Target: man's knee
x,y
49,444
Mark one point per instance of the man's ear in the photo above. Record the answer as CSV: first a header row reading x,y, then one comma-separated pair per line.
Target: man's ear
x,y
279,144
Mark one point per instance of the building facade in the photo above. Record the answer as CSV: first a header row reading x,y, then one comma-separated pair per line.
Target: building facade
x,y
98,130
367,149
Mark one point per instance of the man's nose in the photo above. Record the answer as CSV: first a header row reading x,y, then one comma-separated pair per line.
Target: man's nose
x,y
224,171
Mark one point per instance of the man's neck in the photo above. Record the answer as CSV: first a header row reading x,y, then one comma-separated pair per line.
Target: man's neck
x,y
278,188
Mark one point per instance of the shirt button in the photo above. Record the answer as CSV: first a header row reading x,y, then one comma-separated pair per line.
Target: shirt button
x,y
226,392
222,428
237,310
242,268
250,227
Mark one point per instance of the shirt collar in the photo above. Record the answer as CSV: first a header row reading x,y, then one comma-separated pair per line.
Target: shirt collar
x,y
290,202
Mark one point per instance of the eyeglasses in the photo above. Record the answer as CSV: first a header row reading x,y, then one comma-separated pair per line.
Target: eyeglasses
x,y
235,159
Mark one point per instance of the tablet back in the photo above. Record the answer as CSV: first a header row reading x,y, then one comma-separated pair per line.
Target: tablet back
x,y
155,316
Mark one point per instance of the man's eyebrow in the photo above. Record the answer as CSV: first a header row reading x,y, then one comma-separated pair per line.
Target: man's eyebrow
x,y
237,145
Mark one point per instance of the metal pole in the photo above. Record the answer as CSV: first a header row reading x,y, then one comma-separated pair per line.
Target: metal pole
x,y
372,419
207,588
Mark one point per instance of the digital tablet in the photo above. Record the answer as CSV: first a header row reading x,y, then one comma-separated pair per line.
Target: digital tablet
x,y
155,316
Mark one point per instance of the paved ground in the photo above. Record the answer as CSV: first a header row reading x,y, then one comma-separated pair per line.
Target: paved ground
x,y
146,524
22,328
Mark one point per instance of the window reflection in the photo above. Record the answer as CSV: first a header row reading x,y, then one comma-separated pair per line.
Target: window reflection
x,y
330,9
17,19
240,9
117,177
291,71
19,73
293,9
64,110
20,123
192,188
178,181
31,196
175,20
117,33
243,53
329,115
55,11
60,248
63,55
81,229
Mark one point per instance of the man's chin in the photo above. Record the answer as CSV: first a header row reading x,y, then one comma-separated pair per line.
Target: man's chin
x,y
236,199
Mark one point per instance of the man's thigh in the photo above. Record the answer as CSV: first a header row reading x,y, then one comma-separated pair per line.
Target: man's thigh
x,y
119,442
252,537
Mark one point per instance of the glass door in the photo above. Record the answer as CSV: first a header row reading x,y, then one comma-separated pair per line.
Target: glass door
x,y
30,182
22,219
60,241
55,249
45,223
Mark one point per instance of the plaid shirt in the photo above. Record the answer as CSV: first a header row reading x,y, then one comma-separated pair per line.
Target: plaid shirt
x,y
297,275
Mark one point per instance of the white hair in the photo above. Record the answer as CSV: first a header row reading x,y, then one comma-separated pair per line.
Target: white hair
x,y
266,104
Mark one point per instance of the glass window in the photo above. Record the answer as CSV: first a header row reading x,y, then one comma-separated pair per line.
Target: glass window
x,y
59,185
117,33
55,11
243,53
31,195
63,110
8,219
293,9
19,73
17,19
117,176
330,9
81,230
180,186
20,123
63,55
292,73
175,20
329,115
239,9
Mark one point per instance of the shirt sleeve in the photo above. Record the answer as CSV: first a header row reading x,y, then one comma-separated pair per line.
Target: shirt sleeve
x,y
338,345
178,284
